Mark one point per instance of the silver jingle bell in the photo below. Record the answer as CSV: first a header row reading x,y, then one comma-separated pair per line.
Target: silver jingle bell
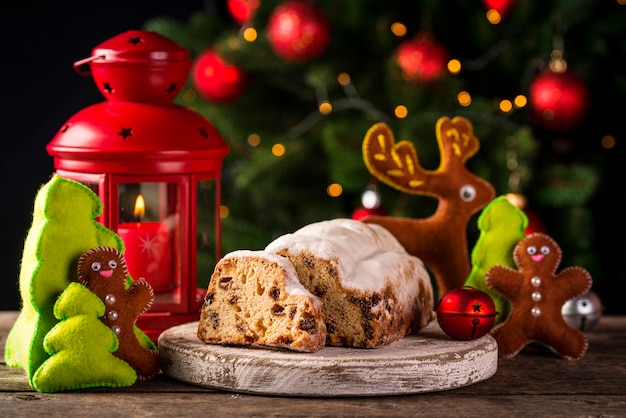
x,y
584,312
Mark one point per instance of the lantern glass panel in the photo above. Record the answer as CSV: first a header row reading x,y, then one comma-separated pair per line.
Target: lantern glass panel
x,y
206,216
149,225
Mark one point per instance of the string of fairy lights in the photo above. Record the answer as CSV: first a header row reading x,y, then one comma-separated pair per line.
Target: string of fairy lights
x,y
352,100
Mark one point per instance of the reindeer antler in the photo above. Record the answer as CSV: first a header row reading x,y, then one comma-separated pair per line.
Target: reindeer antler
x,y
439,240
394,164
398,165
456,139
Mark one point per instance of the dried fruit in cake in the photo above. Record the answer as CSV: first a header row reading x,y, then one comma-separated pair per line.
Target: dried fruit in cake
x,y
254,297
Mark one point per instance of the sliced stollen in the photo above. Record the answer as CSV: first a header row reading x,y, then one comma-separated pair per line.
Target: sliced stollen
x,y
254,297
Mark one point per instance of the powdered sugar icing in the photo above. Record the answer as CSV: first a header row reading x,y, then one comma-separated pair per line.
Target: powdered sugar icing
x,y
367,256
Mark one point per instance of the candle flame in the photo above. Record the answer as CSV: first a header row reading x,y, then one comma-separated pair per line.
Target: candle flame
x,y
140,208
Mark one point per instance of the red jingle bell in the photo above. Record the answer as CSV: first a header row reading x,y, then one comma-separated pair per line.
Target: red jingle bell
x,y
466,313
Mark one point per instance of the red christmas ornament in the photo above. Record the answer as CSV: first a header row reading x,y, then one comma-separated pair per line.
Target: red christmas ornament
x,y
466,313
216,80
422,59
559,101
535,224
362,213
242,10
501,6
297,31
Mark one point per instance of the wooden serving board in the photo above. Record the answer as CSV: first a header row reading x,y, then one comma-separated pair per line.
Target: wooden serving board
x,y
427,362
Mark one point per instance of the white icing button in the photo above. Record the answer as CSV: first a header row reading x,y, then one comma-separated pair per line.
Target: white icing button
x,y
535,312
116,329
109,299
535,281
112,315
536,296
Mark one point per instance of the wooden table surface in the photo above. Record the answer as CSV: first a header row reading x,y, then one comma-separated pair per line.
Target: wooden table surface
x,y
533,383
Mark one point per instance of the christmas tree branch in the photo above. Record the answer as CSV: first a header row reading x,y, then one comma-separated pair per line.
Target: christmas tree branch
x,y
339,105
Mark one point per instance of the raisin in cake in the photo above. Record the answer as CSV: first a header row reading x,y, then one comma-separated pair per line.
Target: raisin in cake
x,y
254,297
373,292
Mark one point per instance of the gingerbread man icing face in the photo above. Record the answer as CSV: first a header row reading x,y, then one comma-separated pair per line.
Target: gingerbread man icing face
x,y
103,271
537,295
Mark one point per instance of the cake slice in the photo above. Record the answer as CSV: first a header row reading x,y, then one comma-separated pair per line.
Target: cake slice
x,y
254,297
373,292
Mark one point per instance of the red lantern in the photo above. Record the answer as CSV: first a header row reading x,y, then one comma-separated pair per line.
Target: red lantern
x,y
422,59
297,31
216,80
466,313
155,165
559,100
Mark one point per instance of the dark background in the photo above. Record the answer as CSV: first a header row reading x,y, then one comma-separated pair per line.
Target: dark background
x,y
40,90
40,41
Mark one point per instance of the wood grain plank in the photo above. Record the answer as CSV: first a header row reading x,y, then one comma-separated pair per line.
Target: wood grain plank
x,y
533,383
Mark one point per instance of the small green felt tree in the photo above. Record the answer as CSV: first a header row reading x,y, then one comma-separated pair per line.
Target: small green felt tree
x,y
81,346
501,227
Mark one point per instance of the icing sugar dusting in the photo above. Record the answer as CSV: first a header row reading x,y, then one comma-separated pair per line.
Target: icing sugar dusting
x,y
367,256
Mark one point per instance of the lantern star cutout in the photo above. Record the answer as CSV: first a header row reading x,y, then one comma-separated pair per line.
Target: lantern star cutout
x,y
125,132
172,88
107,87
204,133
476,306
151,246
135,40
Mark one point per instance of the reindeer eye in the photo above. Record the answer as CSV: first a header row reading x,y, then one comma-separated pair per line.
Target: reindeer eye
x,y
532,250
112,264
96,266
467,193
545,250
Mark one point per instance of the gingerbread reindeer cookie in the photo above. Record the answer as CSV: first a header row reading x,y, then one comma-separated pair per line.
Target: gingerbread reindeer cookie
x,y
103,271
537,294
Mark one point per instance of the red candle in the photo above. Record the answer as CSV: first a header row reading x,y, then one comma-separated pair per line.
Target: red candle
x,y
147,250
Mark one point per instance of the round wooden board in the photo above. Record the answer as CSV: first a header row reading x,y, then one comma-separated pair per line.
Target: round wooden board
x,y
427,362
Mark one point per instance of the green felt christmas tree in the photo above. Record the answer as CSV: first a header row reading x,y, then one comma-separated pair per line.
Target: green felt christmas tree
x,y
81,347
501,227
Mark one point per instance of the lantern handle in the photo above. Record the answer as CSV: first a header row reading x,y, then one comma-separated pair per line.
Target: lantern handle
x,y
81,66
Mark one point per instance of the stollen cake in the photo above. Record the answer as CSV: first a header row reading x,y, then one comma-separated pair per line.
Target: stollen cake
x,y
373,292
254,297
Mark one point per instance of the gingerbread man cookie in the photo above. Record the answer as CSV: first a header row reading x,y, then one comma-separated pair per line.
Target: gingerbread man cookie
x,y
537,295
103,271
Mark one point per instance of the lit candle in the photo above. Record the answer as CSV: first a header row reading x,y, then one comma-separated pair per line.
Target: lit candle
x,y
147,249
